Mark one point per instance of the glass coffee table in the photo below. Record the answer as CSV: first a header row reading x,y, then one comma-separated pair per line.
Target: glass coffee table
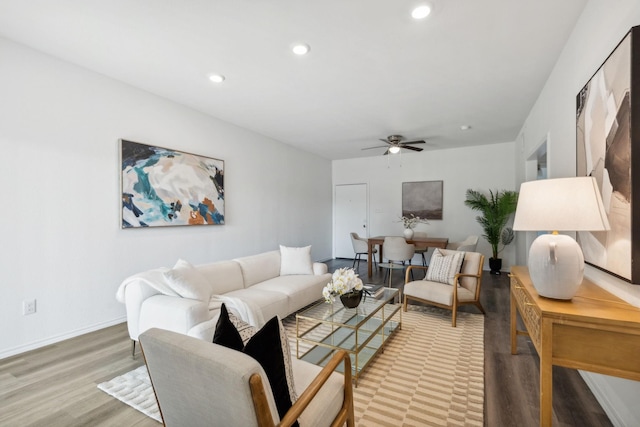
x,y
362,331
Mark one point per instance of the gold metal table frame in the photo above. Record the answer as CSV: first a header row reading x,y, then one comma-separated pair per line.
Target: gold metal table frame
x,y
362,331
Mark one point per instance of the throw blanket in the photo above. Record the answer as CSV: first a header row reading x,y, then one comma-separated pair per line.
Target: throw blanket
x,y
248,311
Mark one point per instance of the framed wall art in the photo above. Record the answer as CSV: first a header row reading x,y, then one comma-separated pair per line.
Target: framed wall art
x,y
422,199
163,187
607,148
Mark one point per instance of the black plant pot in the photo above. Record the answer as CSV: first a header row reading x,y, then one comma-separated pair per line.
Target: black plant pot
x,y
352,299
496,265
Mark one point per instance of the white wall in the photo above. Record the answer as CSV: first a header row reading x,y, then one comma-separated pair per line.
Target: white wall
x,y
479,168
61,238
601,26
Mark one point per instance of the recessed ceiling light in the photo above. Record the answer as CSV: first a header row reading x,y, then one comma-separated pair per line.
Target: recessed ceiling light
x,y
421,12
465,127
301,48
216,78
394,150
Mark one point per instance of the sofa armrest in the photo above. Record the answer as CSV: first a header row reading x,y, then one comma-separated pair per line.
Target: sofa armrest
x,y
172,313
135,294
320,268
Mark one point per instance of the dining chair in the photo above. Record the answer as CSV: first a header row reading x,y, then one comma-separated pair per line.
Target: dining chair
x,y
397,252
468,245
361,247
421,249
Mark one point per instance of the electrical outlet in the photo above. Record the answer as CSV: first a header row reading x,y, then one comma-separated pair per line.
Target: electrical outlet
x,y
28,307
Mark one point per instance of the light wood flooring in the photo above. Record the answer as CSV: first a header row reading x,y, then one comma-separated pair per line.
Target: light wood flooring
x,y
57,385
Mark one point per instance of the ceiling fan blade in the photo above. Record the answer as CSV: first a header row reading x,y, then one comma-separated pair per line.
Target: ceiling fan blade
x,y
386,152
413,142
385,141
377,146
408,147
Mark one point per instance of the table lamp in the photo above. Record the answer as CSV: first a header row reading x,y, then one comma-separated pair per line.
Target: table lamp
x,y
556,262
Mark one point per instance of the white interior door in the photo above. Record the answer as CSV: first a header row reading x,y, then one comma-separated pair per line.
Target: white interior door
x,y
350,215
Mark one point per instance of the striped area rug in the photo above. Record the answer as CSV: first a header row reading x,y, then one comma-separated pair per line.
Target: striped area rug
x,y
429,374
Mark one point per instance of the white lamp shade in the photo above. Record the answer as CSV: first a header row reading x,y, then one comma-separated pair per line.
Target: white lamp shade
x,y
556,262
563,204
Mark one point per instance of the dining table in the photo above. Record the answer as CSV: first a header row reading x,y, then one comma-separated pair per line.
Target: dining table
x,y
429,242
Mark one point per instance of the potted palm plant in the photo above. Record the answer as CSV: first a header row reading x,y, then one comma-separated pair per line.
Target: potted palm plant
x,y
496,210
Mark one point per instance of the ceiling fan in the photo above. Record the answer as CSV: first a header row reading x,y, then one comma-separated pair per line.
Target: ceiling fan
x,y
394,145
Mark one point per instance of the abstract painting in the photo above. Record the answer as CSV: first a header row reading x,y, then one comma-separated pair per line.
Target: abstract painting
x,y
163,187
422,199
607,135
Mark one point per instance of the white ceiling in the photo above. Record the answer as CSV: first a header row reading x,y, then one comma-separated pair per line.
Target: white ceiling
x,y
372,71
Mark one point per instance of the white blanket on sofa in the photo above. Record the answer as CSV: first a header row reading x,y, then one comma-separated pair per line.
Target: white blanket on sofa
x,y
248,311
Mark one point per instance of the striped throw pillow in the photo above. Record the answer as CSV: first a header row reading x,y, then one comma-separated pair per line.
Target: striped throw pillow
x,y
443,268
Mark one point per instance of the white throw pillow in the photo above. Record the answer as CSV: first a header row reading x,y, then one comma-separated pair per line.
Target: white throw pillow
x,y
188,282
295,260
443,268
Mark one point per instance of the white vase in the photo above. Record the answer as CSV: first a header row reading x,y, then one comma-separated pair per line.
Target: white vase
x,y
408,233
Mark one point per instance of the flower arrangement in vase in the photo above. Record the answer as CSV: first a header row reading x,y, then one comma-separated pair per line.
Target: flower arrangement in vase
x,y
345,284
409,223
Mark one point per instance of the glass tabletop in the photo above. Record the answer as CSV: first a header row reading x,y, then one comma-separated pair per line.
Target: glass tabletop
x,y
336,313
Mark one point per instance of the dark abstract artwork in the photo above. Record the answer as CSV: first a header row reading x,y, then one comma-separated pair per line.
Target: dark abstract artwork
x,y
422,199
163,187
605,130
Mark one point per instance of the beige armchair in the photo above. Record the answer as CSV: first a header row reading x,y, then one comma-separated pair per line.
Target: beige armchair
x,y
198,383
460,287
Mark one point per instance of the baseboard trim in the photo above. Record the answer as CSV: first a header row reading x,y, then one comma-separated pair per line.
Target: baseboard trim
x,y
602,391
57,338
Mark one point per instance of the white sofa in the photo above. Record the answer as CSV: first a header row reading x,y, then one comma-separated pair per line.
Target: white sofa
x,y
152,301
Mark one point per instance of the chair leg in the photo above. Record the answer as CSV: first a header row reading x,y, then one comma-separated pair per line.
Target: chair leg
x,y
454,309
354,261
133,348
477,303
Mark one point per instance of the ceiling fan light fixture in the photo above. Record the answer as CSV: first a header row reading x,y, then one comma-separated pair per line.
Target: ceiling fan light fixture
x,y
300,48
216,78
421,11
394,150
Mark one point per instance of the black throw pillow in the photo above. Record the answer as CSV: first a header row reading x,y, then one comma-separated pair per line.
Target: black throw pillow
x,y
266,348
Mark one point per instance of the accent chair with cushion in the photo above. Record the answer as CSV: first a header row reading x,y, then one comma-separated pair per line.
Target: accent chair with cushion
x,y
452,279
198,383
361,247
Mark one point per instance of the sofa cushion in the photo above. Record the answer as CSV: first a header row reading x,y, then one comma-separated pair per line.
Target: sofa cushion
x,y
224,276
258,268
266,346
295,260
444,267
188,282
301,290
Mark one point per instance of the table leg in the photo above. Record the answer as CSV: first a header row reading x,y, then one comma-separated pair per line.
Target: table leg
x,y
513,330
369,258
546,374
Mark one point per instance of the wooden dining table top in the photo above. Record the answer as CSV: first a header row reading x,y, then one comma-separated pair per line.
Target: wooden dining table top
x,y
429,242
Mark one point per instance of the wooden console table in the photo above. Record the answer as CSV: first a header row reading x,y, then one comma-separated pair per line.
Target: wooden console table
x,y
595,331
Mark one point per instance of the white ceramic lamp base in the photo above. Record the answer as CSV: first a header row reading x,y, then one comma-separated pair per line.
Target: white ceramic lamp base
x,y
556,266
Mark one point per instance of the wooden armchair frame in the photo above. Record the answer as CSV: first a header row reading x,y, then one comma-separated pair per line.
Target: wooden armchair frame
x,y
456,303
346,413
